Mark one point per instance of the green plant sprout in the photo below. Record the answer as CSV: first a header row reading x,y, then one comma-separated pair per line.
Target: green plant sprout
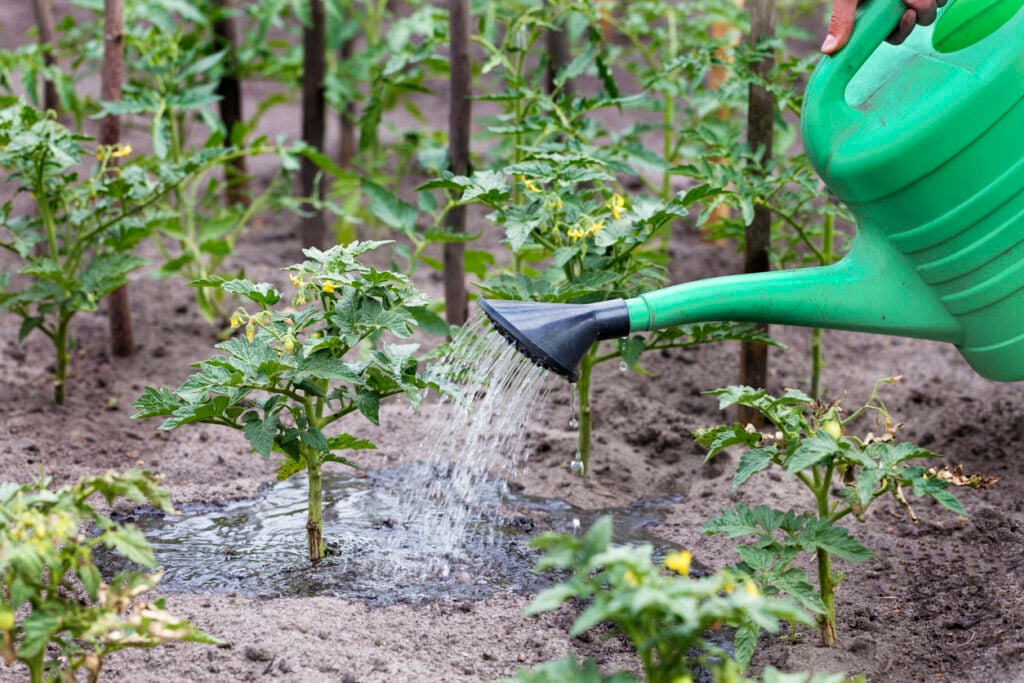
x,y
51,592
665,614
296,372
811,442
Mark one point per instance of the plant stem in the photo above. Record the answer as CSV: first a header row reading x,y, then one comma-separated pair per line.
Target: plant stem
x,y
817,362
60,341
315,517
826,582
586,415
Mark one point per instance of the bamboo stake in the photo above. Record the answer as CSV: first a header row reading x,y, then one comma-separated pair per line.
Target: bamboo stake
x,y
459,117
121,339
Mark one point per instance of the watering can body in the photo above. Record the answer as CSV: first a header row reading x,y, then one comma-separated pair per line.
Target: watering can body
x,y
924,142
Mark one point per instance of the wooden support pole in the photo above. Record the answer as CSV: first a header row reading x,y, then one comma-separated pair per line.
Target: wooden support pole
x,y
47,40
760,127
459,117
229,88
348,146
314,67
122,342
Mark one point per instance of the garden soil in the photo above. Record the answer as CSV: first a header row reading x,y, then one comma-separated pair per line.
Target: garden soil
x,y
942,601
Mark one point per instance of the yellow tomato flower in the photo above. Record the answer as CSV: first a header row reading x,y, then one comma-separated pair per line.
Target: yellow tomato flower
x,y
236,322
328,287
617,204
121,151
576,233
250,331
679,562
530,186
630,578
595,227
751,588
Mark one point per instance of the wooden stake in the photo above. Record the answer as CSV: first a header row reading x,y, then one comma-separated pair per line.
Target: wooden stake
x,y
225,31
121,339
459,118
348,147
314,67
760,124
47,40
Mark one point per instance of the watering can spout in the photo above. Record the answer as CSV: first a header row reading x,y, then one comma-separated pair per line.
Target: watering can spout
x,y
871,290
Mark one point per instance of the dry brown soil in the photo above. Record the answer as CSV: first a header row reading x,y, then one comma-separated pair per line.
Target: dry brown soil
x,y
943,600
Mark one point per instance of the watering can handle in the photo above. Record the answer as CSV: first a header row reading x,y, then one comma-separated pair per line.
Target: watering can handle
x,y
876,19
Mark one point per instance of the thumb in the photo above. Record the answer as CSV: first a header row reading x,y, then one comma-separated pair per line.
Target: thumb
x,y
840,25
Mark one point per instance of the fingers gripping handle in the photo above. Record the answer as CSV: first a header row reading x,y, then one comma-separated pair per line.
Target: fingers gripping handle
x,y
876,19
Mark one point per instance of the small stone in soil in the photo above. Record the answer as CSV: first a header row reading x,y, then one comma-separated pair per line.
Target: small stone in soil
x,y
258,653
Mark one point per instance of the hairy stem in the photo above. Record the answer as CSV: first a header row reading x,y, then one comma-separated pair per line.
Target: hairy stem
x,y
315,517
60,341
826,580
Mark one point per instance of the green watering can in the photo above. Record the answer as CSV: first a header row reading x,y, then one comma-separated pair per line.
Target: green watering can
x,y
925,144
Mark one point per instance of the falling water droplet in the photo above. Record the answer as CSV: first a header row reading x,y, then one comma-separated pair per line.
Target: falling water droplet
x,y
576,466
575,526
622,366
574,424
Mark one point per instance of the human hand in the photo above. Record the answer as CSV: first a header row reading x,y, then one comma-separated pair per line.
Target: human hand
x,y
918,13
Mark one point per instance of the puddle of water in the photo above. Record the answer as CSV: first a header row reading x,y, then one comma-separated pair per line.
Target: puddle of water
x,y
257,547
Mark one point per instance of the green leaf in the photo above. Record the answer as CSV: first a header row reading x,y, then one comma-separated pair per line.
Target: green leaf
x,y
813,450
37,628
795,584
260,433
156,403
717,439
938,490
745,642
487,185
389,209
833,539
550,599
368,403
262,293
752,462
288,467
130,542
341,442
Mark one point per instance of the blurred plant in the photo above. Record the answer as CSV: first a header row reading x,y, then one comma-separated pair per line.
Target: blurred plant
x,y
811,442
76,247
297,371
667,616
52,593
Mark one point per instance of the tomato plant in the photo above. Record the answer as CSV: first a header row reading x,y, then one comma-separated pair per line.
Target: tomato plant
x,y
811,442
291,374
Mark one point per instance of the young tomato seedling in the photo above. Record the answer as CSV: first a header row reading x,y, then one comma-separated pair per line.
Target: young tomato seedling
x,y
296,372
810,441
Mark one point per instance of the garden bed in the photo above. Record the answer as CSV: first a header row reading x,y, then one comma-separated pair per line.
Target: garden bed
x,y
942,601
